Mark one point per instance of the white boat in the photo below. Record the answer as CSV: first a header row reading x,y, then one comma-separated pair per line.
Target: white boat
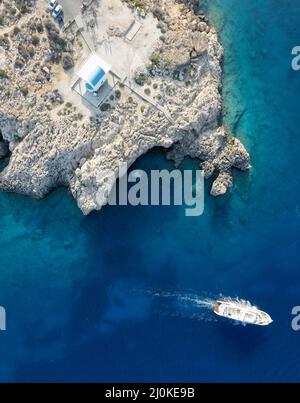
x,y
242,311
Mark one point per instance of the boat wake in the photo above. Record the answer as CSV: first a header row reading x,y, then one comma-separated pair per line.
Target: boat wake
x,y
184,305
190,305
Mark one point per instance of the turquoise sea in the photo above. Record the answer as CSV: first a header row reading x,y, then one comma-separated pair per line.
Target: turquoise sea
x,y
88,298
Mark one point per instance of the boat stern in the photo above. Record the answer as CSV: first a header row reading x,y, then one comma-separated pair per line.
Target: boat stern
x,y
216,308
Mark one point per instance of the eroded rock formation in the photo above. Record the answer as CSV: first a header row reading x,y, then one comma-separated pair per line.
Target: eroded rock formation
x,y
49,149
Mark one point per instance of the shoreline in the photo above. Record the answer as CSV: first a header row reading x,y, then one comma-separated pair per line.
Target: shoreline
x,y
50,149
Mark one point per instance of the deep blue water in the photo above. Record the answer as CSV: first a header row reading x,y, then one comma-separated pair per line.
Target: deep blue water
x,y
74,287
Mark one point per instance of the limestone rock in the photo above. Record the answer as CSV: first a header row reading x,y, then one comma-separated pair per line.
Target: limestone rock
x,y
199,41
50,150
221,184
238,155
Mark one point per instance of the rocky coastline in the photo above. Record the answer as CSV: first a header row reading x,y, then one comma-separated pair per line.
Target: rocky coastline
x,y
47,142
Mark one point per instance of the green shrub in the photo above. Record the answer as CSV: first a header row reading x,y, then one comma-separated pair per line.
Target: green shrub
x,y
78,116
140,79
16,30
24,91
23,51
3,73
19,64
155,59
176,75
24,10
162,27
67,61
50,26
105,107
168,61
31,51
39,27
35,40
158,13
4,42
147,91
60,41
139,3
118,94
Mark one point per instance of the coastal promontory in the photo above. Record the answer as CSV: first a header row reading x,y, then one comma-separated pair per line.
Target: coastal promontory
x,y
163,66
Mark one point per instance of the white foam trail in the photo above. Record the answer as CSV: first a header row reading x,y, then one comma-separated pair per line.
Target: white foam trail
x,y
185,305
191,305
236,299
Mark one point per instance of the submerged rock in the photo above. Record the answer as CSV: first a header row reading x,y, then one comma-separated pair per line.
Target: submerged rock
x,y
221,184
